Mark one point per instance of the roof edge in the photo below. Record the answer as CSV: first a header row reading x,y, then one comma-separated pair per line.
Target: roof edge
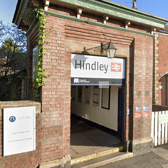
x,y
117,10
16,10
134,10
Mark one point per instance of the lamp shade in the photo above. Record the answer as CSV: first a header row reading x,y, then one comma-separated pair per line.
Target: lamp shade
x,y
111,50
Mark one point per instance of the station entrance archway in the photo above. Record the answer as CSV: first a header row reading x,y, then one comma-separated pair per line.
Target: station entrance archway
x,y
97,104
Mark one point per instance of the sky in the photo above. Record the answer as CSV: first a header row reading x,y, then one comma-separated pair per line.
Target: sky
x,y
155,7
7,10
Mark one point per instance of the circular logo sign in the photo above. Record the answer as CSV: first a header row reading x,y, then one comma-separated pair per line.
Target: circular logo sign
x,y
12,118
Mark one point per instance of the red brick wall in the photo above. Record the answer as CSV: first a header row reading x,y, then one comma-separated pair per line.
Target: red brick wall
x,y
143,80
139,28
56,92
62,10
56,95
162,69
96,18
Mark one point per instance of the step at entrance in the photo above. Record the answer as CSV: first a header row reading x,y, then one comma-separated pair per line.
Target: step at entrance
x,y
96,155
103,160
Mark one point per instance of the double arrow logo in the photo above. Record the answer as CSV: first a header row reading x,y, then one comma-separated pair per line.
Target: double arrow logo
x,y
115,67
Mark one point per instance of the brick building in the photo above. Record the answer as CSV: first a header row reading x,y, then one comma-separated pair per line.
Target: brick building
x,y
160,67
125,106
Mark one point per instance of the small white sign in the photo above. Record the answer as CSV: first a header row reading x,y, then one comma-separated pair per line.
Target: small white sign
x,y
145,108
19,130
137,109
103,84
128,111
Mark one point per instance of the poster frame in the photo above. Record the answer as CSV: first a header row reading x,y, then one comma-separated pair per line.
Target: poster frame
x,y
107,108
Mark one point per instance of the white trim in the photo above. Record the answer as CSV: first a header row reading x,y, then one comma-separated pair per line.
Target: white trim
x,y
161,33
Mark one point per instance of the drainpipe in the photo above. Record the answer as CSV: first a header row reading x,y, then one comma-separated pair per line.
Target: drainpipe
x,y
166,89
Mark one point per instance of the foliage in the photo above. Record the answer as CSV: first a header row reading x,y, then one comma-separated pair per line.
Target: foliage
x,y
12,61
9,46
16,35
13,44
43,32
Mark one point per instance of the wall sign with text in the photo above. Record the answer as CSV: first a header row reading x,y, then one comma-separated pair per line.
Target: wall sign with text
x,y
145,108
138,115
91,70
138,109
163,118
145,111
145,114
19,130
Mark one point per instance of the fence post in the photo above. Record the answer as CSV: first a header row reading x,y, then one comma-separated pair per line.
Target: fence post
x,y
159,131
152,126
166,130
163,130
156,124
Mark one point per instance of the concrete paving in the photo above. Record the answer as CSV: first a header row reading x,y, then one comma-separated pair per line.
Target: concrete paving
x,y
156,159
111,158
87,140
161,152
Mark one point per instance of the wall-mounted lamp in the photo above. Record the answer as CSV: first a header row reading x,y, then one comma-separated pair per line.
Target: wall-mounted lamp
x,y
110,49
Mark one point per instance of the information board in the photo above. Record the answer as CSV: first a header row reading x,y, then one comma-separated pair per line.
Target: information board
x,y
19,130
96,92
163,118
87,94
106,98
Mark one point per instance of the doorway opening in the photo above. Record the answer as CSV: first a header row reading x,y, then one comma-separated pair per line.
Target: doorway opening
x,y
97,104
95,119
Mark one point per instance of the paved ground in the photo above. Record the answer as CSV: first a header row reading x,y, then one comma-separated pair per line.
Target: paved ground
x,y
86,139
156,159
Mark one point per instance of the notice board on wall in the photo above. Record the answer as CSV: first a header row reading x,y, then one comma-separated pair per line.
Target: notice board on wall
x,y
106,98
96,92
87,94
19,130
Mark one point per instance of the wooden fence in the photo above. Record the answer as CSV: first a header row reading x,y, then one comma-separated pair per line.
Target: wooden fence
x,y
159,127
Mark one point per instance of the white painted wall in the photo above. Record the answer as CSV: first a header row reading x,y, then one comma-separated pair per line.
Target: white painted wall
x,y
104,117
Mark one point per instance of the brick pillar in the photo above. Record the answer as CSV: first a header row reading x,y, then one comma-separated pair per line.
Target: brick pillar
x,y
161,69
56,98
142,94
155,71
129,99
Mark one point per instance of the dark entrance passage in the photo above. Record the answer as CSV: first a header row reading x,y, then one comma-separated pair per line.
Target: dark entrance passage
x,y
92,133
87,139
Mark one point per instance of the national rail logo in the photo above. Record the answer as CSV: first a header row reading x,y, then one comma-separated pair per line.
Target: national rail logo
x,y
115,67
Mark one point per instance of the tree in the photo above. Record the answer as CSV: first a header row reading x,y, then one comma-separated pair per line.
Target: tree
x,y
13,45
9,46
